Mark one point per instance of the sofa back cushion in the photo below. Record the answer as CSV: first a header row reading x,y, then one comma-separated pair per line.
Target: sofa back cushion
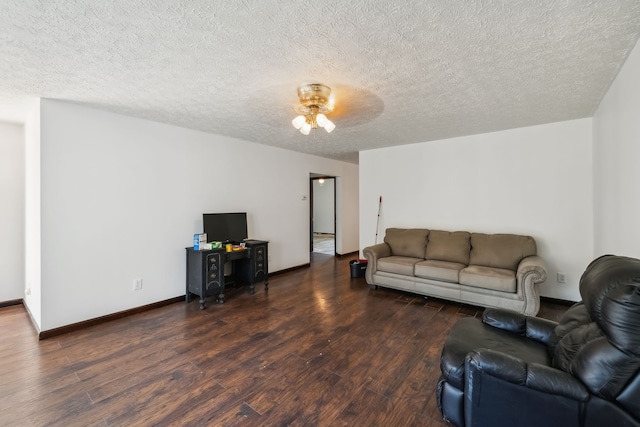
x,y
448,246
500,250
407,241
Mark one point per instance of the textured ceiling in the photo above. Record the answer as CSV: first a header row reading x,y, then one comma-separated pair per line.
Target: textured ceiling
x,y
402,71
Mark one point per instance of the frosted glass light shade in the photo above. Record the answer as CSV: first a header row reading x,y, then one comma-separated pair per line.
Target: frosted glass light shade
x,y
329,126
321,119
305,129
298,122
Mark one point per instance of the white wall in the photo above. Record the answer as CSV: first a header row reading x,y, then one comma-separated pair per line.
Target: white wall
x,y
534,181
616,142
11,212
323,206
33,270
122,198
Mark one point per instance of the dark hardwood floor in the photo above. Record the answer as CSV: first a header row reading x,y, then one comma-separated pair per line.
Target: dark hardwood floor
x,y
318,349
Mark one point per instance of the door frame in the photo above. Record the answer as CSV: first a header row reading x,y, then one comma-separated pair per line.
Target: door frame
x,y
311,202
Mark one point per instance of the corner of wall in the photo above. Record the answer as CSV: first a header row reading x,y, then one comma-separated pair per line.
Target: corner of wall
x,y
33,286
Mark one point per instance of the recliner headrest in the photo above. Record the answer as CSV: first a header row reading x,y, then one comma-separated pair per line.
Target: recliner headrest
x,y
610,289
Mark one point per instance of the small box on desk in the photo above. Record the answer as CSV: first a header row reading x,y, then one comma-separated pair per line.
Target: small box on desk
x,y
199,241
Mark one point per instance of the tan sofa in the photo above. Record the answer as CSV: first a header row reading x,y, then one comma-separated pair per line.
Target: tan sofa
x,y
488,270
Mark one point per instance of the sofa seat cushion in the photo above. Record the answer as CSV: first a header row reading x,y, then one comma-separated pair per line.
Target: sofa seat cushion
x,y
407,242
398,264
498,279
448,246
439,270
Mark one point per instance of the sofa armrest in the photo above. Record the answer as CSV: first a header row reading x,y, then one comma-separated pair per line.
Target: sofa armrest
x,y
533,264
531,271
533,328
372,254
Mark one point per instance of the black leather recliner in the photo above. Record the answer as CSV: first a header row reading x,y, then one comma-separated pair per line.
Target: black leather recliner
x,y
514,370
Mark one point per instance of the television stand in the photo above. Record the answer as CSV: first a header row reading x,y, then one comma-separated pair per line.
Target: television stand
x,y
205,270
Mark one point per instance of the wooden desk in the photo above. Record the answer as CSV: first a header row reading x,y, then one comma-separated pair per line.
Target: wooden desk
x,y
205,270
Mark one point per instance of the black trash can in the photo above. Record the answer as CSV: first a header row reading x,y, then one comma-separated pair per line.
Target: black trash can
x,y
358,267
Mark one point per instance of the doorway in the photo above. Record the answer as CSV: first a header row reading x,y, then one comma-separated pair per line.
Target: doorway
x,y
323,214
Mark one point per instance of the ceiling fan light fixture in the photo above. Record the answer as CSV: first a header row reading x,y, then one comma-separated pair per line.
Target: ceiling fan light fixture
x,y
315,100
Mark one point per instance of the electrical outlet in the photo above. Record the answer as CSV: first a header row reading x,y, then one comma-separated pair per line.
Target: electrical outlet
x,y
562,278
137,284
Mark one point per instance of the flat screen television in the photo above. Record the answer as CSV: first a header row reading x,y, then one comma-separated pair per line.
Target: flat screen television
x,y
225,227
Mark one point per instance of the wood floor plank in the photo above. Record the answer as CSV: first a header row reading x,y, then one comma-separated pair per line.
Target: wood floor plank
x,y
149,401
307,398
24,396
280,385
108,385
33,372
318,349
72,407
364,408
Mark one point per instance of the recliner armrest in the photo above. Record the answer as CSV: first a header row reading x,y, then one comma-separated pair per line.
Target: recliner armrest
x,y
535,376
535,328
